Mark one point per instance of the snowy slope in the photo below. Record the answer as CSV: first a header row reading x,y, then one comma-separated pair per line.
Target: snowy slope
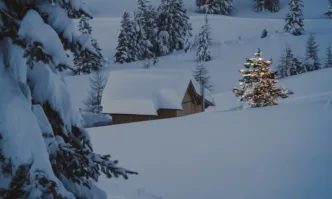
x,y
276,152
228,51
243,8
280,152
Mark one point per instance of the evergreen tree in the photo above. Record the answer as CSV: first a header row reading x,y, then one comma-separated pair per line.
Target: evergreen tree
x,y
153,33
155,60
259,5
328,63
86,61
288,61
272,5
298,66
188,41
163,43
285,63
146,63
125,51
294,18
174,22
97,85
264,33
53,156
201,75
84,26
281,67
199,3
204,40
223,7
328,14
311,58
258,86
188,37
145,30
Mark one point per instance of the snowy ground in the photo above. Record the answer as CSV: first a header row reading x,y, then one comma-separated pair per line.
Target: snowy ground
x,y
280,152
277,152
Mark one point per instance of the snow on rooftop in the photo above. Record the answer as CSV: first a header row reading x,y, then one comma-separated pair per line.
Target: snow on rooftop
x,y
127,106
143,92
168,98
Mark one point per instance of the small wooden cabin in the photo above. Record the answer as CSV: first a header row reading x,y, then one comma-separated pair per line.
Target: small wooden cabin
x,y
141,95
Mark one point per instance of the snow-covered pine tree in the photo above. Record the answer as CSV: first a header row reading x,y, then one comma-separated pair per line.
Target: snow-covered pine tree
x,y
201,75
204,40
155,60
289,65
188,40
272,5
145,30
173,21
163,43
298,66
311,57
288,61
85,61
264,33
281,67
223,7
199,3
258,86
97,85
286,66
49,154
153,35
125,51
294,18
187,29
84,26
146,64
328,14
259,5
328,62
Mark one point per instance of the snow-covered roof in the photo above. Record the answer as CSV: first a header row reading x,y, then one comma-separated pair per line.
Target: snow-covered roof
x,y
145,91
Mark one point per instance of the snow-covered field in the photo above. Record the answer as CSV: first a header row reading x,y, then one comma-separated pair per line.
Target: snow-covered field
x,y
280,152
277,152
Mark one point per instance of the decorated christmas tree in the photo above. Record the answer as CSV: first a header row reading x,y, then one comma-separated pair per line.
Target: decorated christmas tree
x,y
258,85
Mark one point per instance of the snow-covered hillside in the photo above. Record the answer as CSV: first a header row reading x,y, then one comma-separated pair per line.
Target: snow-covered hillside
x,y
276,152
233,40
243,8
280,152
